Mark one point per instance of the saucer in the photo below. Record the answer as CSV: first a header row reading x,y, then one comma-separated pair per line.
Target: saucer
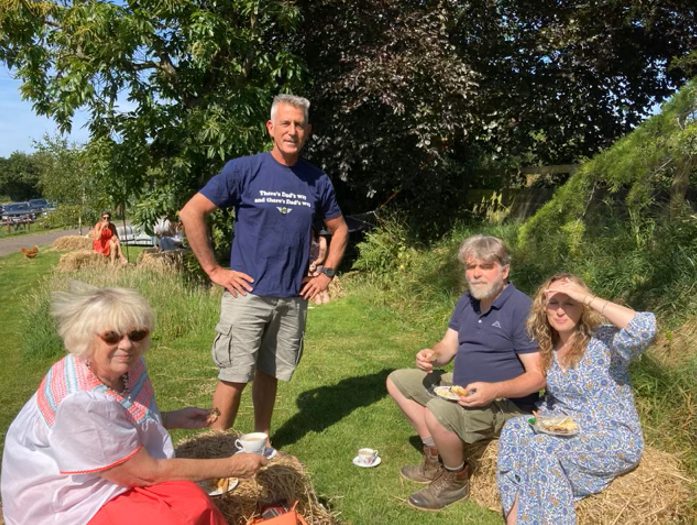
x,y
357,461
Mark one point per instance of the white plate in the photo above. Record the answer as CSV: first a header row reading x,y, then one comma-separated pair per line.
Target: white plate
x,y
358,463
212,490
445,393
538,423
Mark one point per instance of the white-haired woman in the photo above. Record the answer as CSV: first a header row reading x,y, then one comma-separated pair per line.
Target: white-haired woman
x,y
91,446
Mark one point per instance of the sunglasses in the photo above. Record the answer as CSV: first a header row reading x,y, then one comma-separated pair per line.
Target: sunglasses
x,y
111,337
107,217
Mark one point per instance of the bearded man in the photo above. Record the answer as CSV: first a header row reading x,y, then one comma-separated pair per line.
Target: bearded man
x,y
497,369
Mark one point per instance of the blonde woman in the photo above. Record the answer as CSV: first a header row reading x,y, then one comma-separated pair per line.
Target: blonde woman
x,y
540,475
91,445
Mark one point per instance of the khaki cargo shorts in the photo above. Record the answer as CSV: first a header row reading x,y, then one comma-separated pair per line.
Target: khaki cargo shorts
x,y
471,424
263,332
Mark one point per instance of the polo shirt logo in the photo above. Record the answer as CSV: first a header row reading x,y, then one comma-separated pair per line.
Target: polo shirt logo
x,y
496,324
284,210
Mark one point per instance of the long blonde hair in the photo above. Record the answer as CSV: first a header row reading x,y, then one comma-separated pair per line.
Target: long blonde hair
x,y
547,337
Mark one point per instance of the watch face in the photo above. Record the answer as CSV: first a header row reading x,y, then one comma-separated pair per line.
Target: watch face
x,y
329,272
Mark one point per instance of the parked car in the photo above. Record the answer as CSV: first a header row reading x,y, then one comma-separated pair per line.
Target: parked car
x,y
15,212
41,206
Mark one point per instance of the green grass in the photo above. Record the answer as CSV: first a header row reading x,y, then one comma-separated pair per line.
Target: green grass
x,y
335,404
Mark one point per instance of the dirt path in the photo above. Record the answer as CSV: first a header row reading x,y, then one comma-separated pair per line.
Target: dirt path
x,y
10,245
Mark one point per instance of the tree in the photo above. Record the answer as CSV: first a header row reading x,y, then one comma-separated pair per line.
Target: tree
x,y
19,176
393,97
425,100
561,79
172,88
67,179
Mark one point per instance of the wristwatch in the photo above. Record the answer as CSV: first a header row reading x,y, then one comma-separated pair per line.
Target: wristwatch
x,y
329,272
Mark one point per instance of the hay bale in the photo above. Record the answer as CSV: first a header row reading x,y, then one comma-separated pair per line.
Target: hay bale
x,y
161,262
69,243
335,290
76,260
283,478
656,492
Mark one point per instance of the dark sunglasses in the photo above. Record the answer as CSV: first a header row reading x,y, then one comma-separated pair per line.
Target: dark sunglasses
x,y
111,337
107,217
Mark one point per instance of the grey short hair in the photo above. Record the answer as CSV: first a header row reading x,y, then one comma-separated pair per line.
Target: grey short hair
x,y
292,100
83,311
485,248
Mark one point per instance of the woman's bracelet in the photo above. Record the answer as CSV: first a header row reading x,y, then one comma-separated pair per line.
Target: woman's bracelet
x,y
602,312
590,298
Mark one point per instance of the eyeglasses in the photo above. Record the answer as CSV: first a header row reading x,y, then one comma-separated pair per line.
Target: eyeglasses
x,y
107,217
111,337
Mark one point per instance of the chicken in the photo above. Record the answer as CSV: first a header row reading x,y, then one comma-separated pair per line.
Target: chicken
x,y
30,253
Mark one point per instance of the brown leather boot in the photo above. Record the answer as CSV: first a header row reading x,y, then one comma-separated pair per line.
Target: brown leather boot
x,y
447,488
426,471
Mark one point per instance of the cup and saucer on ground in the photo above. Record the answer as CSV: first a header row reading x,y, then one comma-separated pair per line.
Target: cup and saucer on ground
x,y
367,458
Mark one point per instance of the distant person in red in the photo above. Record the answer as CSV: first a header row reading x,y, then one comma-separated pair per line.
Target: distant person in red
x,y
106,240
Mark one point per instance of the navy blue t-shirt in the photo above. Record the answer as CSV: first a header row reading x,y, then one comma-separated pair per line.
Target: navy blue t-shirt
x,y
274,209
489,344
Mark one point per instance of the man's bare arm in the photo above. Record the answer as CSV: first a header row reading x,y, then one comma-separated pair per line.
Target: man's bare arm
x,y
193,216
439,354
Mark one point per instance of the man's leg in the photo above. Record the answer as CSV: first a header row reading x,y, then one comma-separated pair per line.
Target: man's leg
x,y
448,442
238,336
264,398
415,412
409,389
226,398
451,426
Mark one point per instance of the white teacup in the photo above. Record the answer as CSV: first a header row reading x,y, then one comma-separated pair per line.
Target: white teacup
x,y
254,442
367,456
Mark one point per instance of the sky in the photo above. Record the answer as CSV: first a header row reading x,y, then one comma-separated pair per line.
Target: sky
x,y
20,126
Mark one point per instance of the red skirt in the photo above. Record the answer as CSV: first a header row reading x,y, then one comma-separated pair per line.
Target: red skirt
x,y
168,503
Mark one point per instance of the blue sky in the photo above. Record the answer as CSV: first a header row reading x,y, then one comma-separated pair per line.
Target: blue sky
x,y
20,126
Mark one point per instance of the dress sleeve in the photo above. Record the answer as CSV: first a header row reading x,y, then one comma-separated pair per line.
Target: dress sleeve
x,y
633,339
91,433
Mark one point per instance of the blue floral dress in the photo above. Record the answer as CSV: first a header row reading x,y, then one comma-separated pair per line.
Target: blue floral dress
x,y
548,473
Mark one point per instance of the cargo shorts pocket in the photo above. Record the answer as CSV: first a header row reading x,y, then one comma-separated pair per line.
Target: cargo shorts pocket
x,y
221,349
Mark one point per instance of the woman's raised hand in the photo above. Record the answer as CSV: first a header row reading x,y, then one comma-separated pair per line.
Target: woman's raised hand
x,y
570,288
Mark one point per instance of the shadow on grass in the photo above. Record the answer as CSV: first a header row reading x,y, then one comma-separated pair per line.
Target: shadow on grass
x,y
321,407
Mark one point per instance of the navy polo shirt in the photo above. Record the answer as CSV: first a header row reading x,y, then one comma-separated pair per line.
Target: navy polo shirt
x,y
489,343
275,206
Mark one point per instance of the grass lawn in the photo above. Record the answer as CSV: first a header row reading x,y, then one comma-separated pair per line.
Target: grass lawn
x,y
334,405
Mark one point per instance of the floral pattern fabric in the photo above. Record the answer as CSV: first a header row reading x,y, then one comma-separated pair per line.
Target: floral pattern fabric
x,y
549,473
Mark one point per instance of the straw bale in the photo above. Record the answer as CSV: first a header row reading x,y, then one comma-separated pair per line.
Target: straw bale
x,y
162,262
72,261
335,290
69,243
656,492
283,478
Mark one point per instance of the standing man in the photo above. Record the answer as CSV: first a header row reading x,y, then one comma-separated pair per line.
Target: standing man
x,y
276,195
496,363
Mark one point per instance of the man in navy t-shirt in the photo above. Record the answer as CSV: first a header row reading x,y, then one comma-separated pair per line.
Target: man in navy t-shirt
x,y
276,196
497,370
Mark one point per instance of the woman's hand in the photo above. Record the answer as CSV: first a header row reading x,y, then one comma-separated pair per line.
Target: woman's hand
x,y
189,417
574,290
